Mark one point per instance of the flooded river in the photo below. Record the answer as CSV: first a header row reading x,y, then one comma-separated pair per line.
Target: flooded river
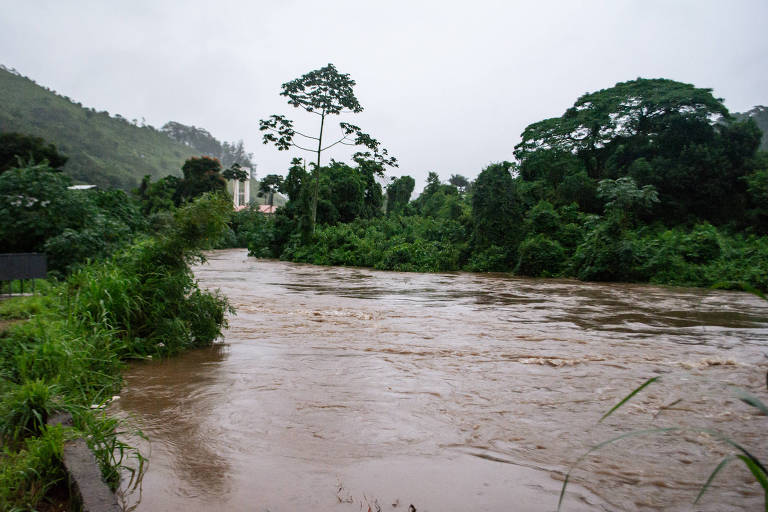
x,y
336,389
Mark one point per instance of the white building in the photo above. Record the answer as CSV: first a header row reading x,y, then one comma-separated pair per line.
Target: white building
x,y
241,190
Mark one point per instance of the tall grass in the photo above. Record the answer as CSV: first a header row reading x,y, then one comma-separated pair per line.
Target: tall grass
x,y
69,351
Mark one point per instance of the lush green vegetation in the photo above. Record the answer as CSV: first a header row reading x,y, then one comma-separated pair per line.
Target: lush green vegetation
x,y
71,226
647,181
323,92
99,148
76,226
104,150
68,353
17,149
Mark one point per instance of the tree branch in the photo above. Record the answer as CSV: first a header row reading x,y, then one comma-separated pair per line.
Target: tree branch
x,y
341,140
307,136
305,149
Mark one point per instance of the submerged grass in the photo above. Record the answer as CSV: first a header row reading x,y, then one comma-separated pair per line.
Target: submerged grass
x,y
68,349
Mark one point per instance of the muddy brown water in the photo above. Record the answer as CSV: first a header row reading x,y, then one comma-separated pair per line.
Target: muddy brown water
x,y
342,388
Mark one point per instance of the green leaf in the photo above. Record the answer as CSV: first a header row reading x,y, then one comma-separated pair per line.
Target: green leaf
x,y
629,396
758,471
752,400
712,475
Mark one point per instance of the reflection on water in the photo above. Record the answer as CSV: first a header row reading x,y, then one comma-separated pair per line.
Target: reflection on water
x,y
340,387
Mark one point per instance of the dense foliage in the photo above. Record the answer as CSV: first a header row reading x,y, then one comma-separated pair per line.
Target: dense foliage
x,y
68,354
42,215
75,226
649,180
759,115
323,92
17,149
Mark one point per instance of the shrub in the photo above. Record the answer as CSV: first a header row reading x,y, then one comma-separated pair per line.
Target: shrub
x,y
25,409
492,259
701,245
608,253
540,256
543,219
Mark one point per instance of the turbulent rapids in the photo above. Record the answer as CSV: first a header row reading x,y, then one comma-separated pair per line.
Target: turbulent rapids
x,y
344,388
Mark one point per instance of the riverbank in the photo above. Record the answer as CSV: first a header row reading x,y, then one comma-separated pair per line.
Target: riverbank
x,y
703,258
450,391
585,247
69,354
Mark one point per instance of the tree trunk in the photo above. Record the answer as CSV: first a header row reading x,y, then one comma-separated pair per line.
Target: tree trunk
x,y
317,172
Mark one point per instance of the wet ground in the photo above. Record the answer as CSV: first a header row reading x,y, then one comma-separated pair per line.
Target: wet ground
x,y
342,388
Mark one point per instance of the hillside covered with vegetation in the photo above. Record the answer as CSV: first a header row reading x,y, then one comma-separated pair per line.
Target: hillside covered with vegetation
x,y
102,149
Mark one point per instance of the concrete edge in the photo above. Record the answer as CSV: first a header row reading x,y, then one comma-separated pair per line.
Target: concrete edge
x,y
84,473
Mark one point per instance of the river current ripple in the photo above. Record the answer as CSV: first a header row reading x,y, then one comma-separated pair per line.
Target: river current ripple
x,y
342,388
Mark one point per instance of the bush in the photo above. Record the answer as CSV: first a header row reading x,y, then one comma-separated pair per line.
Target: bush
x,y
419,256
147,295
543,219
701,245
609,253
492,259
540,256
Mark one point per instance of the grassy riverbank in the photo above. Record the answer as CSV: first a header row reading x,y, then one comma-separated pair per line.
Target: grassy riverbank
x,y
566,244
71,341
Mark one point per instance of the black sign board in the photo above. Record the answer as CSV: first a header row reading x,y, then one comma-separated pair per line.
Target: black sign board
x,y
28,265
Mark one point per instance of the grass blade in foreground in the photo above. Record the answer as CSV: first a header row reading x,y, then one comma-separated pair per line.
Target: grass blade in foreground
x,y
629,396
712,476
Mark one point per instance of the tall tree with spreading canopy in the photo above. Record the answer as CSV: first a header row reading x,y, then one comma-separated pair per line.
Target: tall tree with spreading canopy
x,y
674,136
638,109
460,182
323,92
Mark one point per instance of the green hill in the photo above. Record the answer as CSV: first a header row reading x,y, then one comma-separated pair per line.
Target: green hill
x,y
103,150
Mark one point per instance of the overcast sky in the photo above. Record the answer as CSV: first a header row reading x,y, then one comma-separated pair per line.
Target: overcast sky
x,y
447,86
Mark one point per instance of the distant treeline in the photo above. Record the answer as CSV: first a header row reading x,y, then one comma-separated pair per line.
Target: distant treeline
x,y
649,181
